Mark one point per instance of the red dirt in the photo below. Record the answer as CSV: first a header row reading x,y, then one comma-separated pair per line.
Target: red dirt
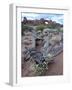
x,y
56,68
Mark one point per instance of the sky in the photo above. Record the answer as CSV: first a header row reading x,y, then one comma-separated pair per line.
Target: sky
x,y
47,16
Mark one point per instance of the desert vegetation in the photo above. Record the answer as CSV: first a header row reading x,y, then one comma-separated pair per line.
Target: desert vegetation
x,y
51,32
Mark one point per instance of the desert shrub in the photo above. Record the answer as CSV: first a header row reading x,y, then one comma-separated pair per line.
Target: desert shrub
x,y
40,27
25,28
51,26
41,68
60,30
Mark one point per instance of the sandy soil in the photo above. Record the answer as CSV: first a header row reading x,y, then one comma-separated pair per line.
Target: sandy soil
x,y
56,68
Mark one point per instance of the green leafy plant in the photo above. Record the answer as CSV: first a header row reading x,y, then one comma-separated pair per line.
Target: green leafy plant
x,y
41,68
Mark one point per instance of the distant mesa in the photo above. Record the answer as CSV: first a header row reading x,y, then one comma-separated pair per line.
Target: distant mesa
x,y
37,22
